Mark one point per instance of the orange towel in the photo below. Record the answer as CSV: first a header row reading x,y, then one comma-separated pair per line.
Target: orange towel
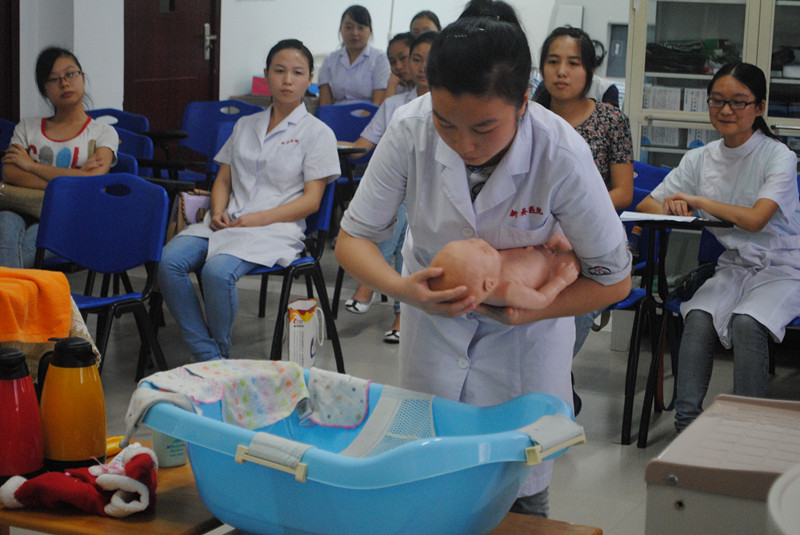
x,y
34,305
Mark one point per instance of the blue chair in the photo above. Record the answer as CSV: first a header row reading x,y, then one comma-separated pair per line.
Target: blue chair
x,y
108,224
317,226
126,164
635,301
6,132
140,147
121,119
646,176
199,133
347,120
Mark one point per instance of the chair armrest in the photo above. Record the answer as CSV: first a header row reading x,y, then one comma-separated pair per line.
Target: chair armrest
x,y
164,137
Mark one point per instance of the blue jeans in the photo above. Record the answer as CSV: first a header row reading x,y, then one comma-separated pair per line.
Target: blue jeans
x,y
750,342
393,246
583,324
17,240
208,337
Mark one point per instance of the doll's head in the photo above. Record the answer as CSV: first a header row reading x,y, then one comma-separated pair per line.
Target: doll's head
x,y
472,263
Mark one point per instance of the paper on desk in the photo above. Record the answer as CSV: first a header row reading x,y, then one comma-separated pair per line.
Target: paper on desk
x,y
640,216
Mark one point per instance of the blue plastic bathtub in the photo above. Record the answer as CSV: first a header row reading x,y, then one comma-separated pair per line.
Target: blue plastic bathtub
x,y
462,480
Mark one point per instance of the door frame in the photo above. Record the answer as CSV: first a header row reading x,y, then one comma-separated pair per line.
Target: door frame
x,y
9,49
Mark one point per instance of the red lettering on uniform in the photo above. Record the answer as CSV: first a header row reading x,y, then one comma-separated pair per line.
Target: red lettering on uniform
x,y
74,164
513,213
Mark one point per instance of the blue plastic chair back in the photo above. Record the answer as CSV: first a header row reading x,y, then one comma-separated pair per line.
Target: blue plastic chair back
x,y
321,219
648,176
347,120
122,119
201,120
126,164
107,223
136,145
6,132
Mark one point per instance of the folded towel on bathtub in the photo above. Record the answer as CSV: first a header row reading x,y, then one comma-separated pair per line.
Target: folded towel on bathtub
x,y
337,400
256,393
34,304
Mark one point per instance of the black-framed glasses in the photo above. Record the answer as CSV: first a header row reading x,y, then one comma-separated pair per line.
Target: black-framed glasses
x,y
734,104
70,77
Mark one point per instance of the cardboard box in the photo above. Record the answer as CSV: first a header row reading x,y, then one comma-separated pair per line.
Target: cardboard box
x,y
259,86
305,334
715,476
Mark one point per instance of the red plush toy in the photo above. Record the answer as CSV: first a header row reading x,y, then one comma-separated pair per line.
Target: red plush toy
x,y
120,488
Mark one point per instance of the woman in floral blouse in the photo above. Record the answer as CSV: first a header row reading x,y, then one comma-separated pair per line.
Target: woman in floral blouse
x,y
567,65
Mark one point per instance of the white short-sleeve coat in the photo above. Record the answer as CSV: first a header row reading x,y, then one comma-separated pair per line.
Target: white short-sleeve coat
x,y
267,171
547,180
759,272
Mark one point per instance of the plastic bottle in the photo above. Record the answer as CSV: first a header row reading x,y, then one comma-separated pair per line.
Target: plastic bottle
x,y
73,408
20,426
169,451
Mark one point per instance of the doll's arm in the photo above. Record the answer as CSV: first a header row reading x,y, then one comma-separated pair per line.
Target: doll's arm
x,y
566,271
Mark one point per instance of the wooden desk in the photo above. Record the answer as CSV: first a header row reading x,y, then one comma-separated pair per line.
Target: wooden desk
x,y
516,524
180,511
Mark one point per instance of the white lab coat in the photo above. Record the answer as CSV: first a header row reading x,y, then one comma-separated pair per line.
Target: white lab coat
x,y
546,179
759,273
267,171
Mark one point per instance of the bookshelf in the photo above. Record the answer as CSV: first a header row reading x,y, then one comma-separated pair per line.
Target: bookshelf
x,y
677,45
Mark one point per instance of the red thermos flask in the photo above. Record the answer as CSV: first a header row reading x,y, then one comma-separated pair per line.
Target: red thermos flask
x,y
20,424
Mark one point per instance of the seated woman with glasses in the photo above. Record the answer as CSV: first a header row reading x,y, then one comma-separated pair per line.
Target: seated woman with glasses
x,y
750,179
67,143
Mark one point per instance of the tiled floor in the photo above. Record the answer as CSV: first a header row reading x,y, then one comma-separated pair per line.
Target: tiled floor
x,y
600,483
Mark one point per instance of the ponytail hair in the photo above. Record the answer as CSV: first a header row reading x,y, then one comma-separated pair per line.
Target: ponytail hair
x,y
754,79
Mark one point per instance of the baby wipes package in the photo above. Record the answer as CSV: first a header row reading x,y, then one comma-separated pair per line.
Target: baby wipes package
x,y
306,331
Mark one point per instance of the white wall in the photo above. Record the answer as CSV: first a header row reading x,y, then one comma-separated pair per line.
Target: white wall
x,y
92,29
100,45
42,23
598,15
250,27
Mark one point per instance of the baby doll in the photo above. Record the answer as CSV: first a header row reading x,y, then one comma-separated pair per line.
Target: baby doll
x,y
525,277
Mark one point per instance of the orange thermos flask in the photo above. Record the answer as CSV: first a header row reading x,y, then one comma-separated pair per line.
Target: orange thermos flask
x,y
73,408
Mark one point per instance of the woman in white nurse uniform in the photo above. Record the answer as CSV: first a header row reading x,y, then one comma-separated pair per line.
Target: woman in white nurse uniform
x,y
750,179
474,158
273,172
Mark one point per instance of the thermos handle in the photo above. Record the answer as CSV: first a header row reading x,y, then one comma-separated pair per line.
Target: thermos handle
x,y
41,373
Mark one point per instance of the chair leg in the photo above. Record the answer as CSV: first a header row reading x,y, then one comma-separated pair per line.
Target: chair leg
x,y
148,337
101,338
309,285
630,374
330,324
262,297
277,335
337,292
652,378
674,333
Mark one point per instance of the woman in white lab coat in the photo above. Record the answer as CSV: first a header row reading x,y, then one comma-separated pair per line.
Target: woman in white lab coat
x,y
474,158
750,179
273,172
